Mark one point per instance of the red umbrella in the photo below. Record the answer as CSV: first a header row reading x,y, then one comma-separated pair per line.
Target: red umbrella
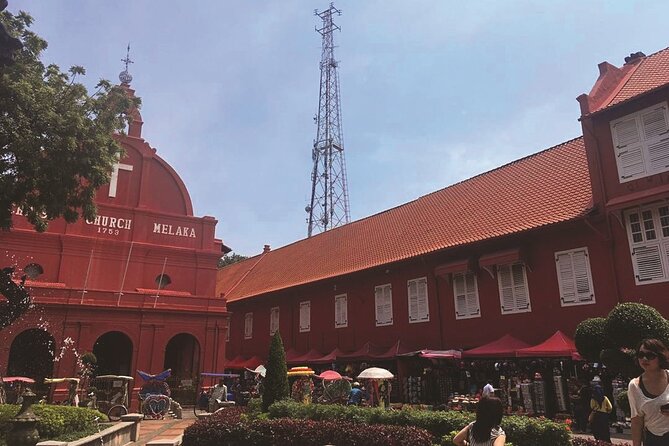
x,y
330,375
20,379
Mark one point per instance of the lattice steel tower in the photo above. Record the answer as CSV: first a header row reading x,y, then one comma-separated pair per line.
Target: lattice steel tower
x,y
329,194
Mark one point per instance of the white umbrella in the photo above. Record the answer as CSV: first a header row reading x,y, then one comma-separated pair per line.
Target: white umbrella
x,y
375,373
260,370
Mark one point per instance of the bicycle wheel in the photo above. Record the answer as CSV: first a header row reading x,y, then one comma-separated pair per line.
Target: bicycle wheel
x,y
116,412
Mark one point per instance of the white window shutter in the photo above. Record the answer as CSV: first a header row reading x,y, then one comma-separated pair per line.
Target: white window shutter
x,y
506,288
566,281
520,292
582,276
473,308
383,303
647,263
423,303
305,316
628,148
389,304
273,320
412,289
460,295
248,326
341,311
654,122
574,277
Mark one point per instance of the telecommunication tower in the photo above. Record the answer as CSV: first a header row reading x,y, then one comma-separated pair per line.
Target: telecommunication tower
x,y
329,194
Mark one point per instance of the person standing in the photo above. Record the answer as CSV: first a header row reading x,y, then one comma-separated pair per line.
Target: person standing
x,y
488,390
485,431
355,397
601,408
648,395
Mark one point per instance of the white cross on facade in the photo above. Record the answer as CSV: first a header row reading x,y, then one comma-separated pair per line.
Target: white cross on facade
x,y
113,184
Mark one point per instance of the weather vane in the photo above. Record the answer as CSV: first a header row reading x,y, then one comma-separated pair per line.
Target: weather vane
x,y
125,76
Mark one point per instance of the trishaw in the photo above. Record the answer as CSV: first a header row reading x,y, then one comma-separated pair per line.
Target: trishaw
x,y
111,395
72,389
204,393
14,386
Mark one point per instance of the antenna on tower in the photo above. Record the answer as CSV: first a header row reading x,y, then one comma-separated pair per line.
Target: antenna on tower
x,y
329,193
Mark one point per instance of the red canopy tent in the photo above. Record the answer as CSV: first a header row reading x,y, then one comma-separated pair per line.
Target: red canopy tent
x,y
236,363
330,357
366,352
397,349
559,345
441,354
253,362
504,347
306,358
291,354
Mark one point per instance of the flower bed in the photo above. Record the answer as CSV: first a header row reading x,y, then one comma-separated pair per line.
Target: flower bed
x,y
229,428
56,422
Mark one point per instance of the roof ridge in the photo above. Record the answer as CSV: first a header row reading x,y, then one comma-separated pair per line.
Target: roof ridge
x,y
241,279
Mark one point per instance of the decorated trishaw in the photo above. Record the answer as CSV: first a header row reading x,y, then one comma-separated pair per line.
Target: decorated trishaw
x,y
72,390
212,393
13,387
156,397
302,387
110,395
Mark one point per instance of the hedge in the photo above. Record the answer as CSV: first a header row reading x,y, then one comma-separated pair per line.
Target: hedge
x,y
520,430
56,422
229,428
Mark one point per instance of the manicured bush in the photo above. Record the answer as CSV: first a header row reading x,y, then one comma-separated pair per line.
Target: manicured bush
x,y
55,422
275,383
590,338
520,430
629,323
229,429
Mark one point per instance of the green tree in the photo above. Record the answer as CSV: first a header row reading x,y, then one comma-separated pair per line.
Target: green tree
x,y
590,338
57,144
630,323
230,258
275,385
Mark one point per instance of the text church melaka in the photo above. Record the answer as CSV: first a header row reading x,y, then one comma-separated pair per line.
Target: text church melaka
x,y
135,286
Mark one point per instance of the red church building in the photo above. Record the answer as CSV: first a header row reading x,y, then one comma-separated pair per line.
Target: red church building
x,y
532,247
135,286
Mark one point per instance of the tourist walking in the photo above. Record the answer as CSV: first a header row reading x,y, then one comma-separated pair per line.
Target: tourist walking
x,y
648,395
599,417
485,431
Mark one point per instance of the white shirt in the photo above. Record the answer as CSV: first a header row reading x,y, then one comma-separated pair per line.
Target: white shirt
x,y
488,390
649,408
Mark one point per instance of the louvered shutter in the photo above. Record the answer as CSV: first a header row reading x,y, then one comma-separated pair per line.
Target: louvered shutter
x,y
423,304
341,311
582,276
473,308
628,148
412,286
305,316
656,137
520,293
387,292
383,301
248,326
647,263
460,295
274,320
566,281
506,288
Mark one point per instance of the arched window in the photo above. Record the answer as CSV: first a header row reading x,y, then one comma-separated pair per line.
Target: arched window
x,y
162,280
33,270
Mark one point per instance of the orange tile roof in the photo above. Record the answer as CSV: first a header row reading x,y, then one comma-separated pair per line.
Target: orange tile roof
x,y
649,74
548,187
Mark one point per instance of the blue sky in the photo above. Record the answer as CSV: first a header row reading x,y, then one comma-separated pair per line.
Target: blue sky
x,y
433,92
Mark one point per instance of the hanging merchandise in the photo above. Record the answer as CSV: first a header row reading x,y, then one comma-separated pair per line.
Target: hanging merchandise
x,y
539,391
526,391
560,393
413,389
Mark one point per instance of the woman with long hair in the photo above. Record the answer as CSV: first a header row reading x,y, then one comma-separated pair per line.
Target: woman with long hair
x,y
485,431
601,408
648,395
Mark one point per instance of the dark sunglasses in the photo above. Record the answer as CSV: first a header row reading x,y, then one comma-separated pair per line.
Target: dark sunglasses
x,y
647,355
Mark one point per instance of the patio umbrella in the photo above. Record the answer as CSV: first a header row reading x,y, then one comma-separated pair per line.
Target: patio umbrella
x,y
375,373
260,370
330,375
301,371
20,379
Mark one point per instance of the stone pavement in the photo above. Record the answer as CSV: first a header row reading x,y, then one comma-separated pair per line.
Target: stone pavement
x,y
168,429
624,438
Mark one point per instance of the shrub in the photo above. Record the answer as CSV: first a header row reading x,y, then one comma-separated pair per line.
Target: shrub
x,y
520,430
55,421
621,361
589,338
623,402
233,431
629,323
275,384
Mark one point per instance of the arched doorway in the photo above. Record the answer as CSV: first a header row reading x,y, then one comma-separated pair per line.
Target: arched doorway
x,y
32,354
113,351
182,355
